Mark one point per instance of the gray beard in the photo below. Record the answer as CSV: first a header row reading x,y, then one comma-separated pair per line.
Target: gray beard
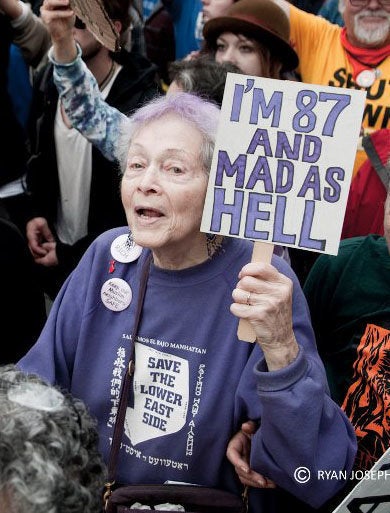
x,y
372,36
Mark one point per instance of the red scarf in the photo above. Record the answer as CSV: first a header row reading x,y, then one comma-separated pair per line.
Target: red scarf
x,y
363,58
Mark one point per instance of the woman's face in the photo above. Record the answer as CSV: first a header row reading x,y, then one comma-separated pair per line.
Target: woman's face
x,y
163,190
215,8
245,53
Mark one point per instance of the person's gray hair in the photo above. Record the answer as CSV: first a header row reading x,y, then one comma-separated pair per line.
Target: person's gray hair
x,y
202,114
341,6
203,76
49,458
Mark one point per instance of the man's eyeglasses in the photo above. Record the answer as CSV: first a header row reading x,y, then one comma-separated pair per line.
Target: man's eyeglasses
x,y
81,25
364,3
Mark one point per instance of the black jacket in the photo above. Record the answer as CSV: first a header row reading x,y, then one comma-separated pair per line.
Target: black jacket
x,y
135,84
12,142
23,311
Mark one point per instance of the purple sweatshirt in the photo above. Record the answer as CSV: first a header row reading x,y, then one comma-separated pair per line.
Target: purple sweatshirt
x,y
195,382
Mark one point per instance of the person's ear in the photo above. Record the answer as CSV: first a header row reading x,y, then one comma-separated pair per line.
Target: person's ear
x,y
118,26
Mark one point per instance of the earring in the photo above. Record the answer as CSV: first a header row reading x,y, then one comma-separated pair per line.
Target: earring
x,y
130,241
213,244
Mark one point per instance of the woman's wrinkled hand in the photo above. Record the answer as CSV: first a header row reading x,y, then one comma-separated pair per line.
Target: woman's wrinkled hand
x,y
263,296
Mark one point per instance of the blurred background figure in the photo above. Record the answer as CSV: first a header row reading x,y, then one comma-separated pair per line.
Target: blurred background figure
x,y
185,15
254,36
159,36
215,8
49,460
67,193
13,142
212,9
23,312
367,194
331,12
202,76
348,300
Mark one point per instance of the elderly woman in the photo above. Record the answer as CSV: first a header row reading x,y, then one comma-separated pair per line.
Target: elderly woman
x,y
49,459
194,381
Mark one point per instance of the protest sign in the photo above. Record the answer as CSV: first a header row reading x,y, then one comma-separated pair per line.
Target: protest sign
x,y
372,493
93,14
282,163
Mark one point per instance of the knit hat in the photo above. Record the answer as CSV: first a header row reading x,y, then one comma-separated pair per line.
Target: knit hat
x,y
261,20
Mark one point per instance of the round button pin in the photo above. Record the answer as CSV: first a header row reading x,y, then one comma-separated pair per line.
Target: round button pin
x,y
124,249
366,77
116,294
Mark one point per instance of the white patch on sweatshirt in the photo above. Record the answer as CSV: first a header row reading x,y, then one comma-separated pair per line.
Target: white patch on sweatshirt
x,y
161,395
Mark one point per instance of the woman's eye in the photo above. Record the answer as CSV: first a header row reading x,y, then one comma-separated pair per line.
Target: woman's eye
x,y
175,170
246,49
135,165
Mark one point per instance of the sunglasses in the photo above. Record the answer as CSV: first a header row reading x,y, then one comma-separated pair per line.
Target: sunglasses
x,y
364,3
79,24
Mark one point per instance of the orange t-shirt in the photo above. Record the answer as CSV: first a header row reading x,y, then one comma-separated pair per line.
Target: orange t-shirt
x,y
323,61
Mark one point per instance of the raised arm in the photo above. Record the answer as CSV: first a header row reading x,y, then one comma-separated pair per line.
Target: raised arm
x,y
59,20
11,8
29,33
80,96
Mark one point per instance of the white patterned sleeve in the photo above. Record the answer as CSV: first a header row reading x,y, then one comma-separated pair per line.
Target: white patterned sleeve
x,y
88,112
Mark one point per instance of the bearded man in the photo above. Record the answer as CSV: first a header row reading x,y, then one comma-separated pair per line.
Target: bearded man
x,y
356,56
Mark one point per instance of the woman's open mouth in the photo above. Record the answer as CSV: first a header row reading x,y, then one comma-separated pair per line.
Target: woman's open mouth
x,y
148,213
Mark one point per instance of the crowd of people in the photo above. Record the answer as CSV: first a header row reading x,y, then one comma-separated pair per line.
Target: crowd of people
x,y
103,177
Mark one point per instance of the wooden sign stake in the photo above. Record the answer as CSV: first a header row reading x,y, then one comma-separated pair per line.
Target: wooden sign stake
x,y
262,252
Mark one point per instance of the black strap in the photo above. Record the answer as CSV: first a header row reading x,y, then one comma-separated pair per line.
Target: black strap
x,y
383,171
122,406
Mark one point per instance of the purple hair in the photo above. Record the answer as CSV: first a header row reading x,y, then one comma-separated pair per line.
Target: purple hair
x,y
203,115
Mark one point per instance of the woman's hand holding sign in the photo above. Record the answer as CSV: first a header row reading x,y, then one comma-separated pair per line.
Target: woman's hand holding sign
x,y
263,297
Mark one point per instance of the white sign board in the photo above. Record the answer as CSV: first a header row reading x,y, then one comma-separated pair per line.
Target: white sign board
x,y
283,161
372,493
